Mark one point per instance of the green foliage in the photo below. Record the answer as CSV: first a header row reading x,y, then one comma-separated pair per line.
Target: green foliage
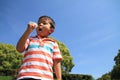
x,y
117,58
115,73
6,78
67,62
10,59
105,77
76,77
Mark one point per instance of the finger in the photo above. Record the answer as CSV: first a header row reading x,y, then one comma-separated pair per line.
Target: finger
x,y
33,23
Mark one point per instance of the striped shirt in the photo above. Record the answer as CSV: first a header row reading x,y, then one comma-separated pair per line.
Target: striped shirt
x,y
38,58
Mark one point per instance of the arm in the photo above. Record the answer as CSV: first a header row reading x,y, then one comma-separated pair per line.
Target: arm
x,y
57,68
21,43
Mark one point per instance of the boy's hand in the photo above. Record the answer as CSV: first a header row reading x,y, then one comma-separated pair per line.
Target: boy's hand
x,y
31,26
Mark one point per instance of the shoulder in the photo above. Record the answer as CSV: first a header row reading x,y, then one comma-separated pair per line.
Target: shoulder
x,y
49,40
33,38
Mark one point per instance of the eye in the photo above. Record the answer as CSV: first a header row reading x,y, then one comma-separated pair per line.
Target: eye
x,y
44,23
38,23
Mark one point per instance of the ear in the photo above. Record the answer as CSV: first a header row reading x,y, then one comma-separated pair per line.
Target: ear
x,y
51,30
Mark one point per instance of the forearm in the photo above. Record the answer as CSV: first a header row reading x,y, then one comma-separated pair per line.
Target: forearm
x,y
21,43
57,68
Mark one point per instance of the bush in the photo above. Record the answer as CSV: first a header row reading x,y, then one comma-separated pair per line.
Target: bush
x,y
75,77
7,78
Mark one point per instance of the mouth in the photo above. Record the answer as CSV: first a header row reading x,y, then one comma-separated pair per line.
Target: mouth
x,y
40,29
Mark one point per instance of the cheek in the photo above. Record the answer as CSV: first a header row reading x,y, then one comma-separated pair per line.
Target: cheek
x,y
47,28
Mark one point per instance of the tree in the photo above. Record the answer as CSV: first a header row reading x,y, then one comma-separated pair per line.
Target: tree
x,y
67,62
115,73
105,77
10,59
117,58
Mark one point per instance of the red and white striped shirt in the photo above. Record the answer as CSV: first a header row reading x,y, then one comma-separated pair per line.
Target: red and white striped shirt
x,y
38,58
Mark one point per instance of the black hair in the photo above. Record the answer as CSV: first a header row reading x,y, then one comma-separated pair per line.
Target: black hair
x,y
52,23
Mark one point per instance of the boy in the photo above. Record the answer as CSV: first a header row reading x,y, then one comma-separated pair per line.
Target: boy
x,y
41,52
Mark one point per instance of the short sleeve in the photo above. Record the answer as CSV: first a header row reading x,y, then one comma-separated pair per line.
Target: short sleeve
x,y
56,52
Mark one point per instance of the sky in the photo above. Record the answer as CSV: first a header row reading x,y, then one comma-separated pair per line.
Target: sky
x,y
90,29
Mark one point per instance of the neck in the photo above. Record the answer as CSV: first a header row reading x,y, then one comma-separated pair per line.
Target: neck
x,y
42,36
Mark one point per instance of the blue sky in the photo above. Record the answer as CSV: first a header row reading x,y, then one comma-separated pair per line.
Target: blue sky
x,y
89,28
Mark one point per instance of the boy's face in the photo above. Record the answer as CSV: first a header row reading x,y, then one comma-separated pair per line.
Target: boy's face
x,y
44,27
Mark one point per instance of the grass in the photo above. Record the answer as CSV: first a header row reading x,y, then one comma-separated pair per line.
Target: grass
x,y
6,78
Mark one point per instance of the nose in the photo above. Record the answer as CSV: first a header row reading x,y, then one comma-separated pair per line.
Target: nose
x,y
41,24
